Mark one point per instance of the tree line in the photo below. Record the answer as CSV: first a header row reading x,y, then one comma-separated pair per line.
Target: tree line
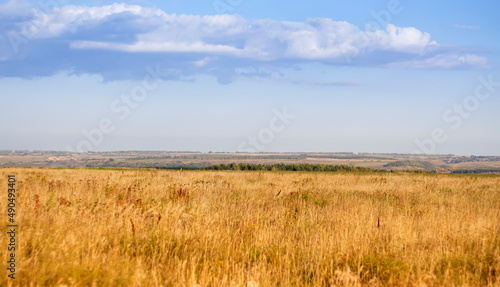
x,y
291,167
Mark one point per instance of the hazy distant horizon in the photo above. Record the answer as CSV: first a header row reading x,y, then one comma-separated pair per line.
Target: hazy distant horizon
x,y
236,152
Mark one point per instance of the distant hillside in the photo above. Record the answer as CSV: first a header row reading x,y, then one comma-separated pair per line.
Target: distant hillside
x,y
412,163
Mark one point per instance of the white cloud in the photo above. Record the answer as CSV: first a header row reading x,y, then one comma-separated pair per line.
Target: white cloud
x,y
69,18
316,38
408,40
467,27
174,47
453,61
205,61
268,39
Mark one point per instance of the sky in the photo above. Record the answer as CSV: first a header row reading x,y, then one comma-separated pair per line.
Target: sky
x,y
391,76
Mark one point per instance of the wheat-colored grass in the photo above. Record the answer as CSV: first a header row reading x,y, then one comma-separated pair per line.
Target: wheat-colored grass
x,y
197,228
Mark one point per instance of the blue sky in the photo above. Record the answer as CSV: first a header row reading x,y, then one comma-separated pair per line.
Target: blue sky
x,y
360,76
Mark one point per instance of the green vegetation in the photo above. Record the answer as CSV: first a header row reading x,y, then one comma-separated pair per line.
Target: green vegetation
x,y
412,163
292,167
477,170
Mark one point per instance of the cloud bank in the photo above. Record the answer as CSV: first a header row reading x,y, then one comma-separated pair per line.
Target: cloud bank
x,y
118,40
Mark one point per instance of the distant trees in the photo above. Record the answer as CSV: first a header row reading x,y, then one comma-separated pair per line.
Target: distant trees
x,y
477,170
290,167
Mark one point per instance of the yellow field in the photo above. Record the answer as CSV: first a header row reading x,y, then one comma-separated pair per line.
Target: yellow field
x,y
195,228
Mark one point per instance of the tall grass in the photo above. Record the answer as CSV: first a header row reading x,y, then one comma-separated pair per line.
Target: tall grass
x,y
201,228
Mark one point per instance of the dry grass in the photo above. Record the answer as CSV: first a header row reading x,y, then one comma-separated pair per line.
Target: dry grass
x,y
177,228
